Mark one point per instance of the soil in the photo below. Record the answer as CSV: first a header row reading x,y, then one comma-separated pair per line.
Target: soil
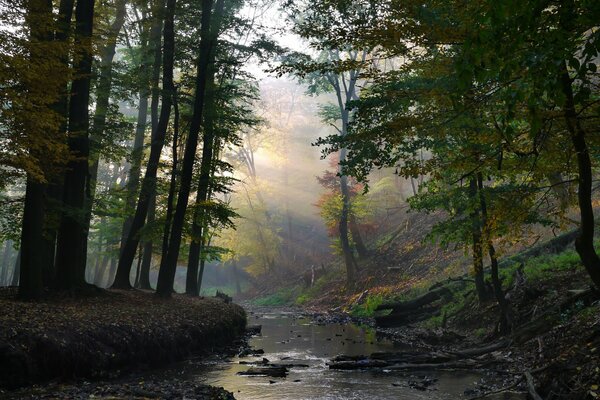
x,y
108,334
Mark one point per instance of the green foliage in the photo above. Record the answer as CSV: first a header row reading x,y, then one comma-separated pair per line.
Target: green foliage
x,y
283,297
367,309
316,290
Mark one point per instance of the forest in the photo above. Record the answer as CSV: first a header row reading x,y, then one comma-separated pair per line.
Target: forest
x,y
410,184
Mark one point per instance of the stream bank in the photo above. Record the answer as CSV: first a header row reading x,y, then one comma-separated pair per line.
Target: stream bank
x,y
108,334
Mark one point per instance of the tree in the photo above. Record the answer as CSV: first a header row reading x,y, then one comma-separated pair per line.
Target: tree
x,y
206,57
158,137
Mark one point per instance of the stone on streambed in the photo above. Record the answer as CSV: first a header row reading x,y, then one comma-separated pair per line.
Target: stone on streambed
x,y
253,329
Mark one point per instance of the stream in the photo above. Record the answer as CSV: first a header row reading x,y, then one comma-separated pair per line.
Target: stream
x,y
286,338
289,338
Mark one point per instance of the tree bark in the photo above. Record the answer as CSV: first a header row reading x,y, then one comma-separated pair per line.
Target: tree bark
x,y
584,244
16,270
167,271
506,320
158,137
38,17
193,279
477,247
173,180
148,250
72,234
102,103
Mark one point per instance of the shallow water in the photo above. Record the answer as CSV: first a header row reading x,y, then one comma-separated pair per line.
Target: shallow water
x,y
287,338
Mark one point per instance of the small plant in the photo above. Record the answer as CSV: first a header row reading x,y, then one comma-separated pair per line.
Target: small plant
x,y
367,309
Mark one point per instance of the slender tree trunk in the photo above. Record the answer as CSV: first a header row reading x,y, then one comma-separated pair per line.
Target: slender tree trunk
x,y
236,274
192,282
97,269
154,46
102,103
73,233
506,320
5,262
133,181
361,249
16,270
101,281
148,250
136,283
477,247
149,60
158,137
167,271
173,180
584,244
343,228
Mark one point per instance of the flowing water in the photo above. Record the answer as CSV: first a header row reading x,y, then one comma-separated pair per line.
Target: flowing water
x,y
287,338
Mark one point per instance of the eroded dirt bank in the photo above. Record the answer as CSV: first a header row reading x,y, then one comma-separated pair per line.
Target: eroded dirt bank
x,y
108,334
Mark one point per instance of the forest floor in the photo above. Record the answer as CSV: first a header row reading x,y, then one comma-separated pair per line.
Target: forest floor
x,y
106,335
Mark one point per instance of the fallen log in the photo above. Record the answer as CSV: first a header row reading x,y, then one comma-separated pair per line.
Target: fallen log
x,y
274,372
360,364
459,364
479,351
407,317
531,386
425,299
413,357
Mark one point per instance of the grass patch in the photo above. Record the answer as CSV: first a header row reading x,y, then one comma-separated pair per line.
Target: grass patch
x,y
317,288
283,297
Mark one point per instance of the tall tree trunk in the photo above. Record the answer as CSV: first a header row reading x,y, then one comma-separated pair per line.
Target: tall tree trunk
x,y
167,271
584,244
38,18
72,234
173,180
133,180
151,60
506,320
102,102
158,137
477,245
55,186
343,228
31,263
193,281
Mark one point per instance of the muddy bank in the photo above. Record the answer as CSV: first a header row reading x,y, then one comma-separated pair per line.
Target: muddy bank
x,y
131,389
108,334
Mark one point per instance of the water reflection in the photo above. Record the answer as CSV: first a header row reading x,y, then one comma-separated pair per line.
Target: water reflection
x,y
288,339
